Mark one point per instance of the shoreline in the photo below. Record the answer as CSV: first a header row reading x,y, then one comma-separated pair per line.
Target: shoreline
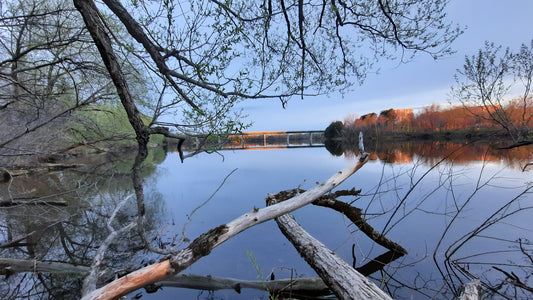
x,y
492,136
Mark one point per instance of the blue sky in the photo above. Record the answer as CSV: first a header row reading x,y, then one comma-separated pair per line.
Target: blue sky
x,y
420,82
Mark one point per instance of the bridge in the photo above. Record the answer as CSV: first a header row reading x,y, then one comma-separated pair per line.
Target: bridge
x,y
256,140
276,139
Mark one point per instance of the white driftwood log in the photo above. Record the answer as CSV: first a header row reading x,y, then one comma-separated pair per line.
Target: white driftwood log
x,y
203,245
343,279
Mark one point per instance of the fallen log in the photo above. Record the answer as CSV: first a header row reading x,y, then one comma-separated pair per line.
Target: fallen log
x,y
7,175
206,242
295,286
10,266
343,280
7,203
43,200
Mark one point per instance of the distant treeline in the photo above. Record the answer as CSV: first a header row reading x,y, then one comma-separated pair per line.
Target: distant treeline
x,y
433,118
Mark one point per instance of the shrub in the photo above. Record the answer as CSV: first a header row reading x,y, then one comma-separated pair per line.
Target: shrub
x,y
334,130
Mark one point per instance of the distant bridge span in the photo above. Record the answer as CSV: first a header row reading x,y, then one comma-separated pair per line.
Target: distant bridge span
x,y
276,139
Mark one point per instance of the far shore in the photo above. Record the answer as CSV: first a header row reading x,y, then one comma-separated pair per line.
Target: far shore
x,y
457,136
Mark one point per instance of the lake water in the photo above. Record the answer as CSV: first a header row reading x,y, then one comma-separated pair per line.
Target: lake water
x,y
466,217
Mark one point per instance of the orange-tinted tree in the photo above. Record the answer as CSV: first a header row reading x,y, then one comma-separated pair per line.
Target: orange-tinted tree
x,y
387,118
433,118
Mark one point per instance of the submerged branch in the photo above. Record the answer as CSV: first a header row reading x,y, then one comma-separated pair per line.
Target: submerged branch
x,y
296,286
15,202
352,213
16,242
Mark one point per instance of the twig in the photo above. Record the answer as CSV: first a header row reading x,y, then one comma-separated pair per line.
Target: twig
x,y
15,242
189,217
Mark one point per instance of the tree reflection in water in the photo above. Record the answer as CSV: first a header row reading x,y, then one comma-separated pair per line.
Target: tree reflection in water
x,y
70,234
430,153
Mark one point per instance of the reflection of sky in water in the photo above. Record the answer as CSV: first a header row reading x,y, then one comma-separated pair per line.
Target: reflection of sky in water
x,y
418,224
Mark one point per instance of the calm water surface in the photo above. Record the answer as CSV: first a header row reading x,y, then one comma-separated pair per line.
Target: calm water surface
x,y
460,194
463,218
